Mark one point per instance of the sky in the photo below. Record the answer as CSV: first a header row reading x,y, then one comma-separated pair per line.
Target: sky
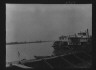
x,y
31,22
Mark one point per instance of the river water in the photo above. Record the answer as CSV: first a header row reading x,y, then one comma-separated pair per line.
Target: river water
x,y
27,51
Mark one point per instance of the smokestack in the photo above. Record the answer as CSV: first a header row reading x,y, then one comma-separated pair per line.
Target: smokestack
x,y
87,33
75,35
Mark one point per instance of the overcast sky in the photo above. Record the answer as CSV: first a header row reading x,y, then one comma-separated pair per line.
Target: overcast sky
x,y
31,22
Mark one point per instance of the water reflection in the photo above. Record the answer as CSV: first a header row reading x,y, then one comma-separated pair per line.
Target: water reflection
x,y
27,51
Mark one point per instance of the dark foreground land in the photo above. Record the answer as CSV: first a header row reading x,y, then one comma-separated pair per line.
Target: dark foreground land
x,y
75,60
